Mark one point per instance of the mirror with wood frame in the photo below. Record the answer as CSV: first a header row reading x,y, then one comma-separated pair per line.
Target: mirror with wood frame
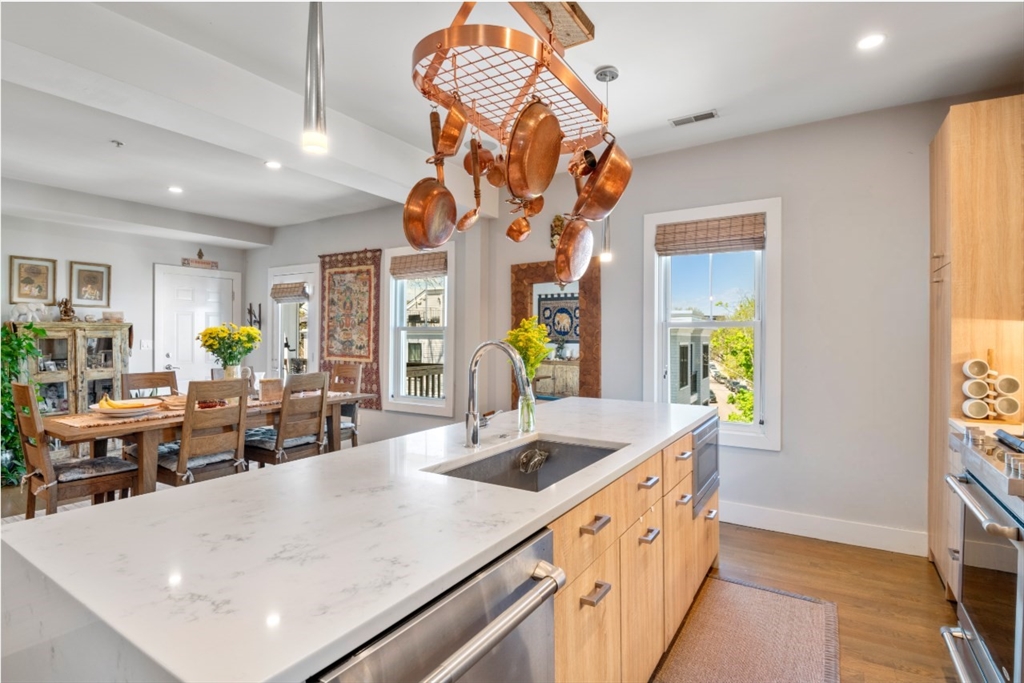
x,y
573,315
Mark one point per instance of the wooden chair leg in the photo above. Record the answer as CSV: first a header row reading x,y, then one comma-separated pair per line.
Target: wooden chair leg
x,y
111,496
124,493
51,502
30,504
97,498
355,440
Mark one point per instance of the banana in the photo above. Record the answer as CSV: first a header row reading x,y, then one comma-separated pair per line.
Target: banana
x,y
107,402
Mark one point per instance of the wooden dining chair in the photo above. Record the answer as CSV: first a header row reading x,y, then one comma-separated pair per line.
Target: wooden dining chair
x,y
247,374
348,377
63,480
299,432
212,439
136,384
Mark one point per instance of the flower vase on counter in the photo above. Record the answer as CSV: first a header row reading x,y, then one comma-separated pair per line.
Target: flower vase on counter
x,y
527,412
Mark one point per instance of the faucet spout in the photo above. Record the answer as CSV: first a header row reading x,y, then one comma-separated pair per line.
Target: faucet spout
x,y
472,412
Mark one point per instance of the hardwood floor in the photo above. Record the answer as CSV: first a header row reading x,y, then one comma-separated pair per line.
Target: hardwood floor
x,y
890,605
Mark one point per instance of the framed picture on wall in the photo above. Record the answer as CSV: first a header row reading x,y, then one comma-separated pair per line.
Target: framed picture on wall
x,y
90,285
33,281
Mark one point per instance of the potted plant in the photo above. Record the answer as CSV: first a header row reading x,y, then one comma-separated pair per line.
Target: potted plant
x,y
19,344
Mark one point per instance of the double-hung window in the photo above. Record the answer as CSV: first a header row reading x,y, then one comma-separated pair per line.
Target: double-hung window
x,y
712,309
418,373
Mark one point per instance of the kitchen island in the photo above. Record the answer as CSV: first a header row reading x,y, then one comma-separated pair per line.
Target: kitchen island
x,y
278,573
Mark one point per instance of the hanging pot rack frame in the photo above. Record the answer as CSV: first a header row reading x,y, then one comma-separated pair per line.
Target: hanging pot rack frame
x,y
494,70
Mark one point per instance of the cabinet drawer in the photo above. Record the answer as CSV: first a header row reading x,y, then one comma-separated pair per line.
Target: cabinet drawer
x,y
641,573
587,624
643,488
680,559
677,461
706,537
589,529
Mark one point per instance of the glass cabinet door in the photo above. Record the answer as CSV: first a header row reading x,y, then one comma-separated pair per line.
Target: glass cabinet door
x,y
53,371
100,363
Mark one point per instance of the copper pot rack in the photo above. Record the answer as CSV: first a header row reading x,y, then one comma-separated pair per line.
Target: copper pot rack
x,y
493,70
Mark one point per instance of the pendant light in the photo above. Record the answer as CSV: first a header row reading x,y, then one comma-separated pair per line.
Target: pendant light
x,y
314,129
606,74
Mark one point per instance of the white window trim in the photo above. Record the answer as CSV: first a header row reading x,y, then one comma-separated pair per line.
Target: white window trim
x,y
389,362
764,437
304,272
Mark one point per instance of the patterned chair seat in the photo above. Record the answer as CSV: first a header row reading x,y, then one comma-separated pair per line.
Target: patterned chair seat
x,y
266,438
169,460
169,448
76,470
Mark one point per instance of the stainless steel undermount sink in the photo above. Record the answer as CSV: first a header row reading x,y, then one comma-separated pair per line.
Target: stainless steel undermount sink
x,y
532,466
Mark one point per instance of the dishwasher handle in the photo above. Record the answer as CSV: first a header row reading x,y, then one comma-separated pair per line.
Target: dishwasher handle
x,y
990,525
550,578
949,635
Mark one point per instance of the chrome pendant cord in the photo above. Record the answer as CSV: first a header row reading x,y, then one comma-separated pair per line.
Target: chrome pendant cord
x,y
314,130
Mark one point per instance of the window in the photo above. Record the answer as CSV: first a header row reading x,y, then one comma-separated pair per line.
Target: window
x,y
712,285
418,372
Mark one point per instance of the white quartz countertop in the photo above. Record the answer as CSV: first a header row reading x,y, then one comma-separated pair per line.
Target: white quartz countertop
x,y
278,573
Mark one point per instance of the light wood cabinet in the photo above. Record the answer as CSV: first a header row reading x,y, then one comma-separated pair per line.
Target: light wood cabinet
x,y
641,573
677,461
589,529
588,624
642,487
954,511
706,537
977,282
681,573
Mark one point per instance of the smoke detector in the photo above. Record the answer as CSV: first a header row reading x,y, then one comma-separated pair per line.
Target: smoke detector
x,y
693,118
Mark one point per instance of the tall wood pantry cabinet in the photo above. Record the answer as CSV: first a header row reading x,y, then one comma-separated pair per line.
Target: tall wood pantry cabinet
x,y
79,363
977,284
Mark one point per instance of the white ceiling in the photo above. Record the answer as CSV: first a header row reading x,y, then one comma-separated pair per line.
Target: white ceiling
x,y
761,65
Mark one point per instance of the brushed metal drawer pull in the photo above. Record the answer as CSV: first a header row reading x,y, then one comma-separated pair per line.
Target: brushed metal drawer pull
x,y
712,514
685,500
652,534
600,522
954,554
685,456
601,589
649,483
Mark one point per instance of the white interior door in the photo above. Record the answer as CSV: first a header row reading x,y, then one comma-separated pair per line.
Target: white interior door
x,y
186,301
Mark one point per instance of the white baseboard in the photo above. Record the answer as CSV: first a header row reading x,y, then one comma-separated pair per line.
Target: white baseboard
x,y
905,541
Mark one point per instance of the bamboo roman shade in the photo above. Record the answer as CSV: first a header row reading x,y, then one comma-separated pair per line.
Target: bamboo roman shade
x,y
416,266
729,233
290,292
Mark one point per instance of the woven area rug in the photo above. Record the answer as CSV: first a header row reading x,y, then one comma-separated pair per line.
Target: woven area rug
x,y
742,633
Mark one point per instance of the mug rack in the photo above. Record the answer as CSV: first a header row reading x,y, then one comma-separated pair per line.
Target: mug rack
x,y
990,378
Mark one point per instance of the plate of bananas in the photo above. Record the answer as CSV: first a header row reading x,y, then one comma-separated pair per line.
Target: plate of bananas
x,y
128,408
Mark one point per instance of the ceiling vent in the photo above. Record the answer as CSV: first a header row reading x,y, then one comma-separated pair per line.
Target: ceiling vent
x,y
694,118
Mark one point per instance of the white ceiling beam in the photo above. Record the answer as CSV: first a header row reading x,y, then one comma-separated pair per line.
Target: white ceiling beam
x,y
196,94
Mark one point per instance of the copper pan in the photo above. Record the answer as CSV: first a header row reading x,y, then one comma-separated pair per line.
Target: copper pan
x,y
496,173
485,159
572,256
452,133
533,150
429,215
605,184
519,230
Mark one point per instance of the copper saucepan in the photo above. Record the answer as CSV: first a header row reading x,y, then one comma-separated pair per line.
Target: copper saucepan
x,y
452,133
519,229
533,150
572,255
605,184
429,215
484,158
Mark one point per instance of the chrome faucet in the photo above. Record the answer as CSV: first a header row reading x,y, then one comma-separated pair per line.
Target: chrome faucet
x,y
472,415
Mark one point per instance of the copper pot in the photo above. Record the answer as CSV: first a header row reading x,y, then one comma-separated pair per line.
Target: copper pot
x,y
496,173
533,150
572,255
519,229
429,215
605,184
452,132
485,159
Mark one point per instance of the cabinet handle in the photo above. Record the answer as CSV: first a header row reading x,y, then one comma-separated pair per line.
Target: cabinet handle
x,y
712,514
652,534
954,554
649,483
937,255
937,280
601,589
600,522
684,456
685,500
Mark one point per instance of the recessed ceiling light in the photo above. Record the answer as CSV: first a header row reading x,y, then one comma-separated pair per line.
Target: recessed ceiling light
x,y
175,189
871,42
273,165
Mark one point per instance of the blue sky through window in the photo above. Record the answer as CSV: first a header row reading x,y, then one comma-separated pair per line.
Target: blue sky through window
x,y
699,280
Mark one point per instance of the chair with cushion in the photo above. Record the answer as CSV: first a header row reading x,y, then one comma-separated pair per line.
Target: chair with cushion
x,y
212,439
63,480
347,377
300,427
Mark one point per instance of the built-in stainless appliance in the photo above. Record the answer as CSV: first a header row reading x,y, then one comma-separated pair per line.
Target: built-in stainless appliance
x,y
498,625
705,463
989,643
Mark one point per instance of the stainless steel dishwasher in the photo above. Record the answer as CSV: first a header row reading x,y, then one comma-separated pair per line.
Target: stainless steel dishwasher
x,y
497,625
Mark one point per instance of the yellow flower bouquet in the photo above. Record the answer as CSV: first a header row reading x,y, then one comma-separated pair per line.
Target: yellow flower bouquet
x,y
229,343
530,339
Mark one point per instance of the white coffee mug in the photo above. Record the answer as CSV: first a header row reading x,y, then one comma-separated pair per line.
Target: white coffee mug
x,y
976,388
1006,405
1007,384
976,368
976,409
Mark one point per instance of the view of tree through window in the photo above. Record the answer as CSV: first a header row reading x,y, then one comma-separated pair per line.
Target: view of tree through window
x,y
712,295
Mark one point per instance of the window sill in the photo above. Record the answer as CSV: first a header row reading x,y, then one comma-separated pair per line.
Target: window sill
x,y
421,407
747,437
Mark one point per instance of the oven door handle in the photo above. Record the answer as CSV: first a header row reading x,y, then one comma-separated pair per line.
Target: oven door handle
x,y
991,526
550,578
950,635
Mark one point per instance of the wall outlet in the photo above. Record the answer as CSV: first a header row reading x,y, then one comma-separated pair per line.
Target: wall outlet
x,y
147,344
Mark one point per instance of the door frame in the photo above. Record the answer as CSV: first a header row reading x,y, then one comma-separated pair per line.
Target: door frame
x,y
311,272
162,270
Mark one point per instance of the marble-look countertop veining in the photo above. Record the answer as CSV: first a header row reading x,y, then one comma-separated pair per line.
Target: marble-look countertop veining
x,y
276,574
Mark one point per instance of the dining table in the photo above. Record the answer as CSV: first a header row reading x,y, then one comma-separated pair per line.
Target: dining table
x,y
164,425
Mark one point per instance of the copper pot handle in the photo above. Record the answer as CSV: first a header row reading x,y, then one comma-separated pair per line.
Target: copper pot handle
x,y
435,129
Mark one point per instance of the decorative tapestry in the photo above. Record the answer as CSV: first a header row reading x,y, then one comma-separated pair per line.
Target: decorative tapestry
x,y
561,314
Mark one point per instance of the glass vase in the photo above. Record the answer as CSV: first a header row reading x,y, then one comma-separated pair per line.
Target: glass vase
x,y
232,371
527,412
